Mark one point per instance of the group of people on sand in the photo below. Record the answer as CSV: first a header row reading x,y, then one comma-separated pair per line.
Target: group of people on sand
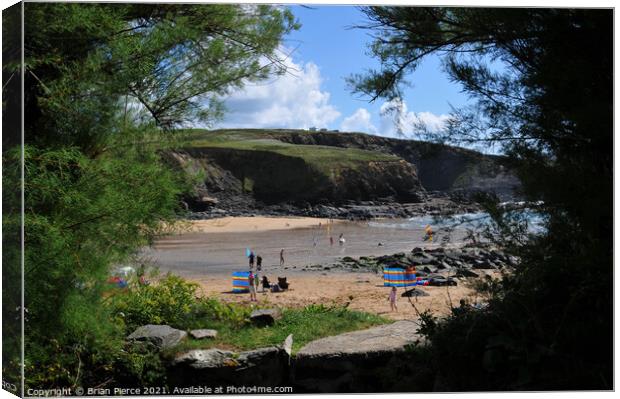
x,y
254,279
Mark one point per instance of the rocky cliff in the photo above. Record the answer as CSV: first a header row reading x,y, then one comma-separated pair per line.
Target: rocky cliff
x,y
440,167
264,169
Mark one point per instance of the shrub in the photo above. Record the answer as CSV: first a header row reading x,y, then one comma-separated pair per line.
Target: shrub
x,y
169,301
139,365
207,310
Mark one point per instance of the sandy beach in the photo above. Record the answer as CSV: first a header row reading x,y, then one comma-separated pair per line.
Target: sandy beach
x,y
243,224
359,291
209,250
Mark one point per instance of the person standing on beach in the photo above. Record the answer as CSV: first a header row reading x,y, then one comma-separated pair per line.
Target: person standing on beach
x,y
331,240
282,257
251,258
259,267
252,287
392,299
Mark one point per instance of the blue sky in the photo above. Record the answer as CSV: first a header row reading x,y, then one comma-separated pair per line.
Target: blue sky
x,y
322,53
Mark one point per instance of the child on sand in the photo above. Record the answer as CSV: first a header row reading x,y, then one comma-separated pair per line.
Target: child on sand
x,y
392,300
252,288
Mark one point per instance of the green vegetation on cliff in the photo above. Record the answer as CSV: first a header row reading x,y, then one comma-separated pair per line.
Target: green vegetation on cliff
x,y
324,158
437,166
273,170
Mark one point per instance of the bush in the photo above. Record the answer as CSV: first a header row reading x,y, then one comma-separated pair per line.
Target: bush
x,y
207,310
169,301
139,365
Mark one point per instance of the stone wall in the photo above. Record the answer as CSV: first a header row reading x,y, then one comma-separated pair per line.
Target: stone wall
x,y
388,358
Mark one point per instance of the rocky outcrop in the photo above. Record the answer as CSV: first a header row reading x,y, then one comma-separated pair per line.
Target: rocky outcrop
x,y
161,336
391,177
203,333
371,342
371,360
253,177
456,262
439,167
267,367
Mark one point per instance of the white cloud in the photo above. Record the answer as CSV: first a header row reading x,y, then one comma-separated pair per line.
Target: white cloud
x,y
292,100
359,121
432,121
395,117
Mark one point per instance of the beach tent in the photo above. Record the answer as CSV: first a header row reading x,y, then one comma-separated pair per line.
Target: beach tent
x,y
240,282
396,277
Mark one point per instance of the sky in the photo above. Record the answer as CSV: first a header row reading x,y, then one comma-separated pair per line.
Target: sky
x,y
323,52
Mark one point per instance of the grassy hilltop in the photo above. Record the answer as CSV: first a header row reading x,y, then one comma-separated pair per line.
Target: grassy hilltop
x,y
322,157
266,166
290,165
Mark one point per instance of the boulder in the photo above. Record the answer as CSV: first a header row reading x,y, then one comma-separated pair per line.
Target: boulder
x,y
443,265
353,362
513,260
162,336
427,269
382,339
217,367
485,265
200,334
465,273
206,359
265,317
257,357
417,260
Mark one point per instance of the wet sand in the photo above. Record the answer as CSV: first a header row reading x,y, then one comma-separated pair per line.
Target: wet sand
x,y
220,247
208,251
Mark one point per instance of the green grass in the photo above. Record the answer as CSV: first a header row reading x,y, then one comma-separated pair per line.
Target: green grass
x,y
175,302
324,158
306,324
